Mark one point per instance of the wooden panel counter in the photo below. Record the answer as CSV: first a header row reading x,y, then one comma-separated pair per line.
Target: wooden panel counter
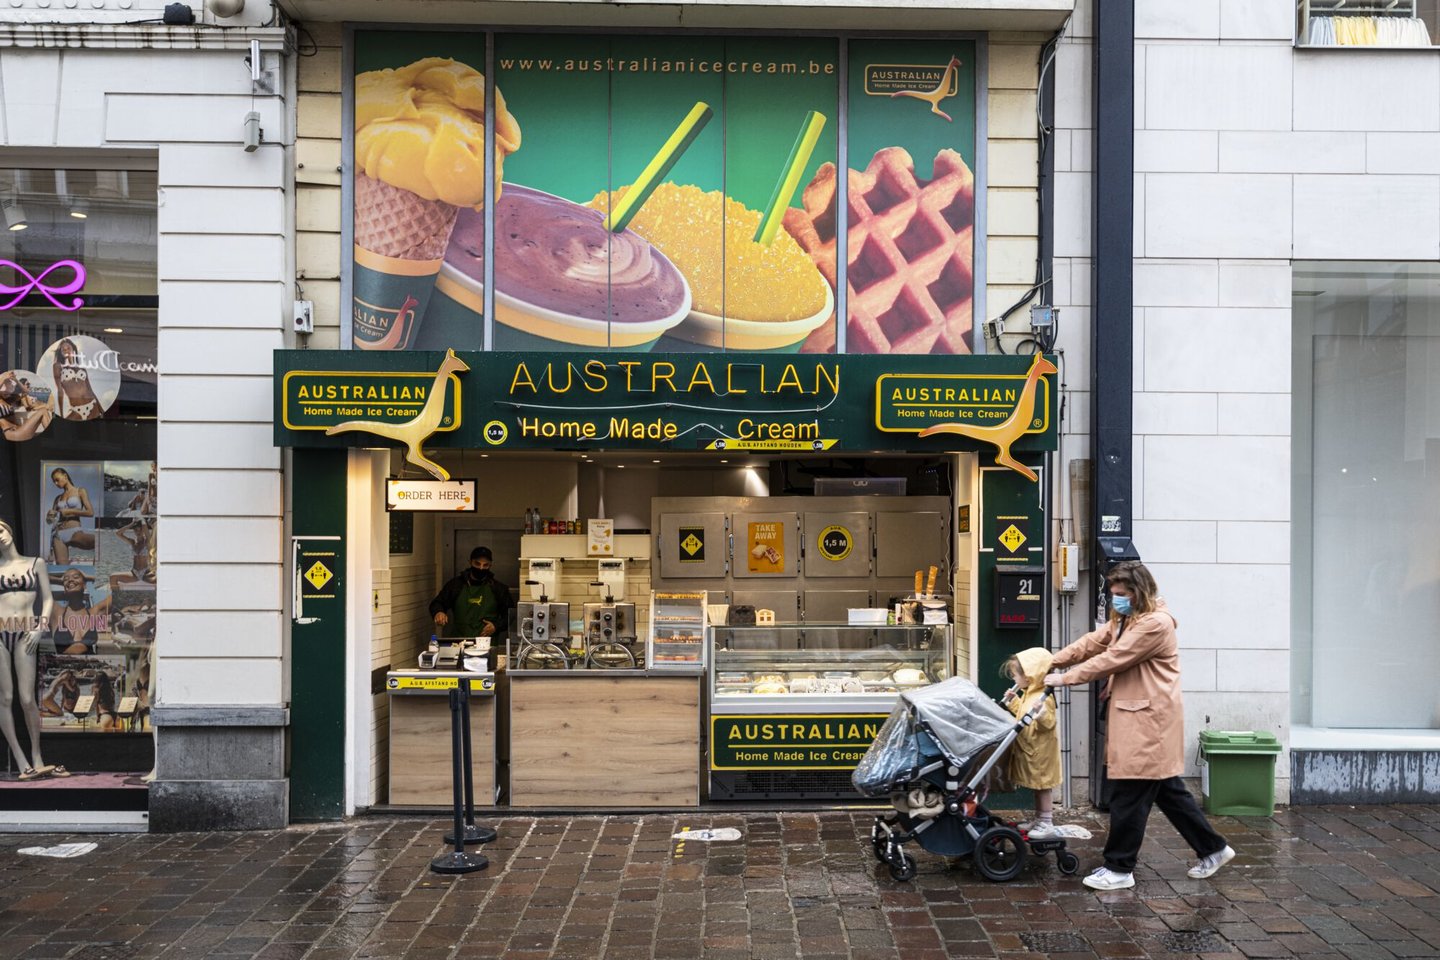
x,y
421,767
605,738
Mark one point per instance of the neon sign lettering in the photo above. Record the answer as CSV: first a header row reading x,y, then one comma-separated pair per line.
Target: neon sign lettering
x,y
16,294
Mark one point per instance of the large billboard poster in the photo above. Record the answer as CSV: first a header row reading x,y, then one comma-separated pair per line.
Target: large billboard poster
x,y
667,193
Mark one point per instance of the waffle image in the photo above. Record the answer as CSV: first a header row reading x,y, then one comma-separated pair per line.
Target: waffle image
x,y
910,253
397,223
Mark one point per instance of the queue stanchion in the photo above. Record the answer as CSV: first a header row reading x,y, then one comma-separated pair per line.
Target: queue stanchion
x,y
457,860
474,834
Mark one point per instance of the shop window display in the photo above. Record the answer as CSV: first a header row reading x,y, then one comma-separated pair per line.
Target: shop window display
x,y
1366,496
78,476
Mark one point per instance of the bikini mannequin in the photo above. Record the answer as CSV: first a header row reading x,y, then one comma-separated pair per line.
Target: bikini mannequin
x,y
24,587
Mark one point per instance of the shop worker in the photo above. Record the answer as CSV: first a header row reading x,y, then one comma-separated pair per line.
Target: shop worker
x,y
473,604
1145,749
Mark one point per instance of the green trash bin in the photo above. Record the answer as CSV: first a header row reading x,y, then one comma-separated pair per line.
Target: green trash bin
x,y
1237,772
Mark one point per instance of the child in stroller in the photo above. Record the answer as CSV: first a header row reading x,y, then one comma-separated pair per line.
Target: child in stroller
x,y
932,760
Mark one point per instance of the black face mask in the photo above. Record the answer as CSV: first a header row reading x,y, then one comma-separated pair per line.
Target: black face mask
x,y
480,576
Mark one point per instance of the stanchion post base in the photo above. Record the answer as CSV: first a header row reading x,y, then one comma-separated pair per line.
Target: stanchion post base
x,y
453,862
474,834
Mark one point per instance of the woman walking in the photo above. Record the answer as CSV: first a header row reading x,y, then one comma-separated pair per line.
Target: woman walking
x,y
1145,746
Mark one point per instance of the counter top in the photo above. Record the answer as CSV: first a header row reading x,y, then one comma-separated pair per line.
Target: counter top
x,y
696,670
416,681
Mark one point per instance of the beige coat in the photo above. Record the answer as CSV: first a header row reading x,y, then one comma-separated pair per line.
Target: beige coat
x,y
1035,756
1146,719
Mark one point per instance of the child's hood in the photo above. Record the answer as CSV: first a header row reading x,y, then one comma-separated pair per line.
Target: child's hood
x,y
1035,661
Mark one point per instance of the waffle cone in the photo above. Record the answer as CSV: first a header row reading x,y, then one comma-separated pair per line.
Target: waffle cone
x,y
909,250
397,223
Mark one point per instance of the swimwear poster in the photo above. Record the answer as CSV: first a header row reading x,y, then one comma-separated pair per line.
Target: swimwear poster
x,y
98,540
657,193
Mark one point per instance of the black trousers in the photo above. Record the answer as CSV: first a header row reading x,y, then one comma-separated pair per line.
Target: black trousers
x,y
1130,803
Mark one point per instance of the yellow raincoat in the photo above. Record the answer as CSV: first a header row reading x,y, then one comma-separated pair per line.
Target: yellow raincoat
x,y
1035,756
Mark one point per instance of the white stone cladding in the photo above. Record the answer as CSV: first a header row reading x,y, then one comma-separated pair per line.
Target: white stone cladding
x,y
1249,153
178,96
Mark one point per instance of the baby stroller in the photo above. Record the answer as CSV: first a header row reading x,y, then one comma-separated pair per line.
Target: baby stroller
x,y
931,759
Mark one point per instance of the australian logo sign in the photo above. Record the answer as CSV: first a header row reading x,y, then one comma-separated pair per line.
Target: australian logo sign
x,y
723,403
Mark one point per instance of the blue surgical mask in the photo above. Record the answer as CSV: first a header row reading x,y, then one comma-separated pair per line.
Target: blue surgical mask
x,y
1121,605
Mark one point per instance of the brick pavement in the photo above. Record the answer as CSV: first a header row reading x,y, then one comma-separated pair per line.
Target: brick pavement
x,y
1323,883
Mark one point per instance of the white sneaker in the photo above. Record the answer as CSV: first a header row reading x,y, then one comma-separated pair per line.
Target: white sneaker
x,y
1106,879
1042,831
1209,866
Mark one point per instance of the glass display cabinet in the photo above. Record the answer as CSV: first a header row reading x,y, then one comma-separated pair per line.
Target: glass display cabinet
x,y
794,707
677,630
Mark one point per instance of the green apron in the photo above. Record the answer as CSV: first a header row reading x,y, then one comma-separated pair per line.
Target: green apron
x,y
474,606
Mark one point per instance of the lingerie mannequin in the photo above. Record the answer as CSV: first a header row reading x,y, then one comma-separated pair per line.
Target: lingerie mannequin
x,y
25,607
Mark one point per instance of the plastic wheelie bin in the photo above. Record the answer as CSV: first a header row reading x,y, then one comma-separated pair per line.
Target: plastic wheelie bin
x,y
1237,772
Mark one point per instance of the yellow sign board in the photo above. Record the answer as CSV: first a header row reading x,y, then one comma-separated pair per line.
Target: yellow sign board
x,y
318,575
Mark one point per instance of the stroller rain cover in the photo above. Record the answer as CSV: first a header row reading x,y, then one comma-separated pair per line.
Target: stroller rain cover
x,y
957,714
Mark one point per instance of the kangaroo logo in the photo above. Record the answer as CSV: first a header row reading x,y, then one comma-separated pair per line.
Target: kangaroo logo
x,y
414,432
942,91
1001,435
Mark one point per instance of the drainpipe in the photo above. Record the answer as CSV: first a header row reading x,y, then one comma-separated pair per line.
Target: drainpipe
x,y
1112,316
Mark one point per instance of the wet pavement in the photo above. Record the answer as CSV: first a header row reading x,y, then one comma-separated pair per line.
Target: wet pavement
x,y
1323,883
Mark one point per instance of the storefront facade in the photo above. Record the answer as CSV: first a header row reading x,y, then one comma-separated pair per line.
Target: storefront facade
x,y
145,251
1299,229
572,116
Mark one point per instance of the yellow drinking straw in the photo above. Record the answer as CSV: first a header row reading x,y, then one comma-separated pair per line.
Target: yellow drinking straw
x,y
790,177
658,167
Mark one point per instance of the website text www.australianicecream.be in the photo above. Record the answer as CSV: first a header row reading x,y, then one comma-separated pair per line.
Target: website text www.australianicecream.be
x,y
662,65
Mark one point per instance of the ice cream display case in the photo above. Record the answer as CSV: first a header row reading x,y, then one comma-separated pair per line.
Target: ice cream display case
x,y
794,707
677,630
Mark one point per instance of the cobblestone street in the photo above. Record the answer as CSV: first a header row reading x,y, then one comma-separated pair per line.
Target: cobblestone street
x,y
1324,883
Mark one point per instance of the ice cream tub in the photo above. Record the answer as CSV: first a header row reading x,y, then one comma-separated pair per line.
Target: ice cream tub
x,y
760,337
562,281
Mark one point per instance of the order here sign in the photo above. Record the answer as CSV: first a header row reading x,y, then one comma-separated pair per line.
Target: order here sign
x,y
435,496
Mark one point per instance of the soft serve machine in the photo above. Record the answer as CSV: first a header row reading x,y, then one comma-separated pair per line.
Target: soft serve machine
x,y
540,619
608,626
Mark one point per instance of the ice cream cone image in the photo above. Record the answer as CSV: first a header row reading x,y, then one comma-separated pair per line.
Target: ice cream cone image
x,y
419,158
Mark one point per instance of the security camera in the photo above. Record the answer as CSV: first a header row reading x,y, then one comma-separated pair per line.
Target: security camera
x,y
225,9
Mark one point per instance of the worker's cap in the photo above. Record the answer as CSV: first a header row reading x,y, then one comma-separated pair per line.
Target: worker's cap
x,y
481,553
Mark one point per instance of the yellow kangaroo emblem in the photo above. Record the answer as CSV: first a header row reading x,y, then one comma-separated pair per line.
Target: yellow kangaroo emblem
x,y
1001,435
414,432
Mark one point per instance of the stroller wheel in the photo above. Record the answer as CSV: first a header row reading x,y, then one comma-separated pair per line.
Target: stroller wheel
x,y
1068,863
1000,853
904,868
879,846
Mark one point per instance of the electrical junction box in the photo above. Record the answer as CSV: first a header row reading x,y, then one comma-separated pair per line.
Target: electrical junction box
x,y
1019,596
1069,556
